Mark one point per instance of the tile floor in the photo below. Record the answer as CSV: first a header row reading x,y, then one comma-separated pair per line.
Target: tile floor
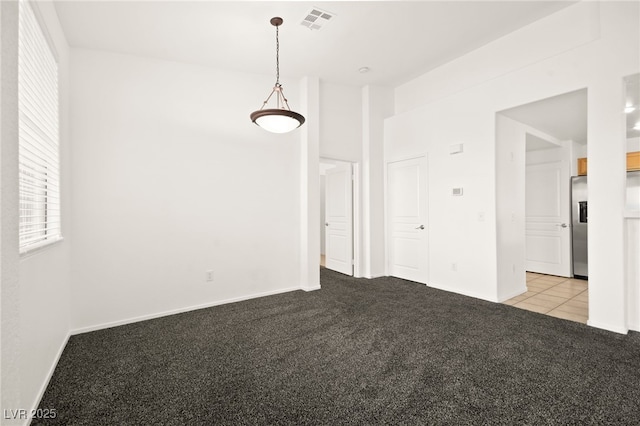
x,y
559,297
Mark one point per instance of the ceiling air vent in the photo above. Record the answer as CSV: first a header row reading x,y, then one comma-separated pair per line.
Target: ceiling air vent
x,y
316,19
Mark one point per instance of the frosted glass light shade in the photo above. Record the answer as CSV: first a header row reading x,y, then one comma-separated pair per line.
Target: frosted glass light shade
x,y
277,120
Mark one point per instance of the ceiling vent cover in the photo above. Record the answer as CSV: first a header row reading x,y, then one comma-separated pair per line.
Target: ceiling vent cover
x,y
317,18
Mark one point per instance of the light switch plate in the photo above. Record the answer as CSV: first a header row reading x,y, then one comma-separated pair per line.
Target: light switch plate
x,y
456,149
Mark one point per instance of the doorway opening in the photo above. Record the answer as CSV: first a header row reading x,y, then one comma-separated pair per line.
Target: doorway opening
x,y
551,135
632,205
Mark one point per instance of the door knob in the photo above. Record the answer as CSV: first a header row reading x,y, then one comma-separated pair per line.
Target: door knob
x,y
326,224
420,227
563,225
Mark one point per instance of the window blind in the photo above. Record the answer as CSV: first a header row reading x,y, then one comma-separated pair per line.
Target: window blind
x,y
38,152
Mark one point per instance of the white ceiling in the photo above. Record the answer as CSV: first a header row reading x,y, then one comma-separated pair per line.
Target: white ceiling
x,y
534,143
397,40
564,116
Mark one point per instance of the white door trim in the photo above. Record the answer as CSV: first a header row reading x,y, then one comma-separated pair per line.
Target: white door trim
x,y
356,211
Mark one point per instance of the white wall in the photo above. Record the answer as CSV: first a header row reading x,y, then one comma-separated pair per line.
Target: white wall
x,y
341,138
633,271
176,180
511,214
309,184
580,151
352,129
587,45
511,161
554,35
462,230
10,349
40,315
341,123
377,105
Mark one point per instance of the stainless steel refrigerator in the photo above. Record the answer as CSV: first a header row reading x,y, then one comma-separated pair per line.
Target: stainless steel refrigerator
x,y
580,255
579,218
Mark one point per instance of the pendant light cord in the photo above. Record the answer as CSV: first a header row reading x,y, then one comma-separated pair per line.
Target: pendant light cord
x,y
277,57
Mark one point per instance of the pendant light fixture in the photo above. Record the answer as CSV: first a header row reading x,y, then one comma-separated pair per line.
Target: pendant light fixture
x,y
279,119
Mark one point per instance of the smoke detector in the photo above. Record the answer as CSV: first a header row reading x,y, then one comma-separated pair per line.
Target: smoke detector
x,y
317,18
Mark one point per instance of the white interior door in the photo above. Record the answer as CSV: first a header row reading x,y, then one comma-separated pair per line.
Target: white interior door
x,y
339,219
548,225
407,219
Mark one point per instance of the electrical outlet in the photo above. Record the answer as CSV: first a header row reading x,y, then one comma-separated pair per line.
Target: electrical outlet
x,y
454,267
209,275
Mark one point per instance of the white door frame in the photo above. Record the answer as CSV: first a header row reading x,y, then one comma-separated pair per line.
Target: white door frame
x,y
356,212
339,219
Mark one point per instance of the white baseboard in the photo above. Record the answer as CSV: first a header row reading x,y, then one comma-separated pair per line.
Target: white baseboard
x,y
464,293
512,294
180,310
372,276
608,327
377,274
47,379
312,288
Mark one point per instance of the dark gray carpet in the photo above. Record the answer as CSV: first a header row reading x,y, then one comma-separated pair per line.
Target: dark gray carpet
x,y
382,351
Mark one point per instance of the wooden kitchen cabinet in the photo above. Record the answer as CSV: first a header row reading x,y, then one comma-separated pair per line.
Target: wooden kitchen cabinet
x,y
633,163
582,166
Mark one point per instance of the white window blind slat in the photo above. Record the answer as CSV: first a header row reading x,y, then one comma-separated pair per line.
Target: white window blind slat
x,y
41,229
47,93
45,82
38,129
31,172
43,49
36,153
39,91
31,108
33,190
34,220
